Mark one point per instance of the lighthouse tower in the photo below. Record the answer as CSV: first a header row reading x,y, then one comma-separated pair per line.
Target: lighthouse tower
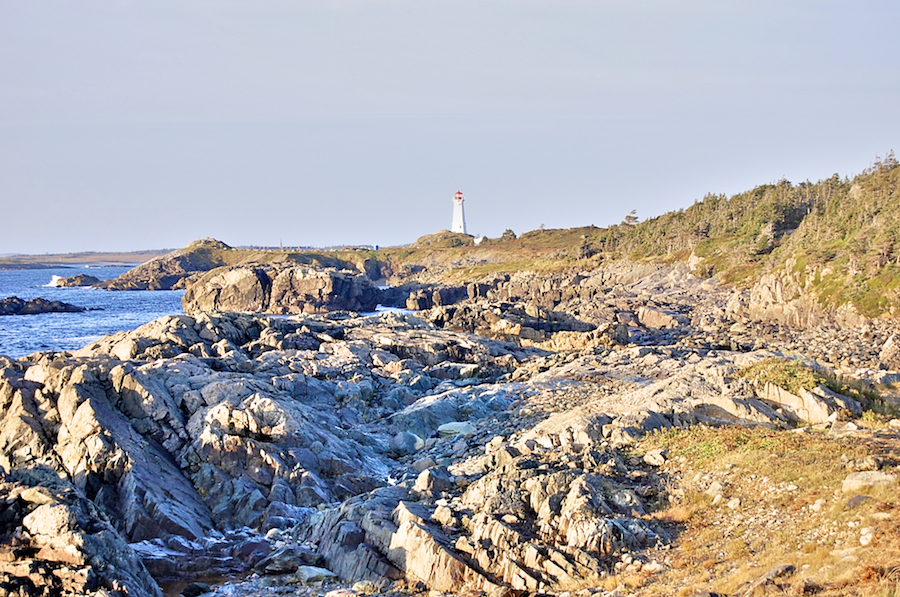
x,y
459,216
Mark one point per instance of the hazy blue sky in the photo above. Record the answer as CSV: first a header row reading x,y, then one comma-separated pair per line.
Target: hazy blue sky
x,y
129,125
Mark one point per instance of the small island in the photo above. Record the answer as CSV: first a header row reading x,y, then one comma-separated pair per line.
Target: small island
x,y
13,305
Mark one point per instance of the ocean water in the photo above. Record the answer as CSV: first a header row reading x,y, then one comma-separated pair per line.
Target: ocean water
x,y
118,311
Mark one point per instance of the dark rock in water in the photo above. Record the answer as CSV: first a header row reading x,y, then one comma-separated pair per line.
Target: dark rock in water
x,y
195,589
13,305
77,280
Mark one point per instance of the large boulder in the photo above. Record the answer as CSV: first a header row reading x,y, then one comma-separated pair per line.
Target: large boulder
x,y
229,289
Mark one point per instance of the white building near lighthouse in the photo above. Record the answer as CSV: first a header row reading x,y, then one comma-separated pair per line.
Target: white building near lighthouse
x,y
459,214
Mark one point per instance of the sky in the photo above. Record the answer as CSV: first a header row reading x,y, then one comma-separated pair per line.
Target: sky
x,y
129,125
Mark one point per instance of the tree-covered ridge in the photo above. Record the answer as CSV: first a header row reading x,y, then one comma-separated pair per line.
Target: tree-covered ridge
x,y
856,223
844,234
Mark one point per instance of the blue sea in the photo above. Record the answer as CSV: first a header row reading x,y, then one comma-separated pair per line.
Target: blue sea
x,y
118,311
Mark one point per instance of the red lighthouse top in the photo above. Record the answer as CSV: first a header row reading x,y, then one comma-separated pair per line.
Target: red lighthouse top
x,y
458,196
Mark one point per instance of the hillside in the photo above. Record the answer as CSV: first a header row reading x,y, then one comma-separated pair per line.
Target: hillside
x,y
849,228
839,237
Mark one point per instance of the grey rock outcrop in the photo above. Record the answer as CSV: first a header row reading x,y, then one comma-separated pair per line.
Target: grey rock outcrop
x,y
528,325
815,406
781,297
57,543
787,296
188,427
280,290
549,518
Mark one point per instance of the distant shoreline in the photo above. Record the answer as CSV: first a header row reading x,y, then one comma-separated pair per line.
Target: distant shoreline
x,y
68,265
121,259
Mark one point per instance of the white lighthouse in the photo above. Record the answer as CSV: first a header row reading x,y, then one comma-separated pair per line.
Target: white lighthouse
x,y
459,215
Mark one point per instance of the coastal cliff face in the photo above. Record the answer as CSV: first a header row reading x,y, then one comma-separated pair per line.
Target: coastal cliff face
x,y
280,290
172,271
503,441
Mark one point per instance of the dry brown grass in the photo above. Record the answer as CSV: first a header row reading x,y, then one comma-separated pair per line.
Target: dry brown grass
x,y
791,512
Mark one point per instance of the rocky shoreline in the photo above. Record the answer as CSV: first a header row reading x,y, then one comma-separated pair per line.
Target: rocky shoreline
x,y
490,441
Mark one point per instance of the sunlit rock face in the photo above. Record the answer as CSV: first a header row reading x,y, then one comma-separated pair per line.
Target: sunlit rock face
x,y
281,290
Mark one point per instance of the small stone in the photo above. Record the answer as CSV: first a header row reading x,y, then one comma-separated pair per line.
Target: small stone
x,y
655,457
866,535
866,463
714,488
864,480
433,480
195,589
405,443
36,495
734,503
456,428
366,586
494,443
423,463
445,516
343,592
310,574
856,501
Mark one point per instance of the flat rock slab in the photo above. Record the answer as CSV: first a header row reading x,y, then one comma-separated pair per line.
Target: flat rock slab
x,y
864,480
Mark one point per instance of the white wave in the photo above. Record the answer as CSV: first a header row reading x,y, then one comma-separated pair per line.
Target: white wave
x,y
381,309
54,281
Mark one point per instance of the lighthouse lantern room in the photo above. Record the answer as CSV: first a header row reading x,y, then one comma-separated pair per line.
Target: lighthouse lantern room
x,y
459,215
